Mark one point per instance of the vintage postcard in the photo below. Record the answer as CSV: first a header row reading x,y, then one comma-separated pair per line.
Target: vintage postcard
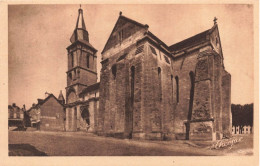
x,y
130,84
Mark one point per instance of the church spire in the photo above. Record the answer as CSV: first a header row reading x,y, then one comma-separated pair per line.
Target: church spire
x,y
80,32
80,20
61,98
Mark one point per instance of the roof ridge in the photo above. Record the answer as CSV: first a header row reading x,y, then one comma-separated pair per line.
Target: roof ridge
x,y
133,20
123,17
182,43
87,89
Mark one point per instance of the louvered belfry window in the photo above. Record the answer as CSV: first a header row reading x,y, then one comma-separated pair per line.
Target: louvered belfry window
x,y
166,59
121,57
139,49
153,50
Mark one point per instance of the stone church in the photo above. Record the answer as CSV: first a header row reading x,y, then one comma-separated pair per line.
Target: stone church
x,y
147,89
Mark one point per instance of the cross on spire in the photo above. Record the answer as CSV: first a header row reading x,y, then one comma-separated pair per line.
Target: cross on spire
x,y
215,20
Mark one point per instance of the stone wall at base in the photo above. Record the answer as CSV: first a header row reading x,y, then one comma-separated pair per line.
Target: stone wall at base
x,y
226,104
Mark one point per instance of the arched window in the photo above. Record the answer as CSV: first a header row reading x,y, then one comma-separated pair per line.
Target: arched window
x,y
177,88
85,115
72,60
114,71
75,111
172,86
160,82
74,75
78,73
71,96
192,82
70,75
121,36
132,84
87,61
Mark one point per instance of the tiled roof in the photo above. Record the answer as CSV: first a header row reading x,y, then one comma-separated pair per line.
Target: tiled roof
x,y
189,41
87,43
43,101
90,88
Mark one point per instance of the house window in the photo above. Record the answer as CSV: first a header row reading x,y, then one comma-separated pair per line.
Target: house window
x,y
114,71
87,61
177,88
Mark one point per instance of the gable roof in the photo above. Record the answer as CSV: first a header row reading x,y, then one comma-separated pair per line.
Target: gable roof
x,y
127,19
90,88
41,102
190,41
84,42
47,98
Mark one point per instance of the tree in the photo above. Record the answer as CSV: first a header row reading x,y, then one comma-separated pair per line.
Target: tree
x,y
242,115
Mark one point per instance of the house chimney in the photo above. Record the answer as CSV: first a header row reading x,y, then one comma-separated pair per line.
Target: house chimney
x,y
46,94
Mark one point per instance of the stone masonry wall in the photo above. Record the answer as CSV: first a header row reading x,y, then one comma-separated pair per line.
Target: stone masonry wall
x,y
218,96
181,68
226,104
117,116
52,115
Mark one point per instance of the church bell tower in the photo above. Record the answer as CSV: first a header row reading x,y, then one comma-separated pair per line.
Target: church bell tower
x,y
82,61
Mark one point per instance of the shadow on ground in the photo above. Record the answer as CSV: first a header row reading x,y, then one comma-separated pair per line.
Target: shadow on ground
x,y
24,150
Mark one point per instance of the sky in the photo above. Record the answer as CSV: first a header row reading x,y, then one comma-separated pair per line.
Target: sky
x,y
38,36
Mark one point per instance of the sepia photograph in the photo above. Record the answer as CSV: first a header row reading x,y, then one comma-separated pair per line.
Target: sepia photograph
x,y
93,80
